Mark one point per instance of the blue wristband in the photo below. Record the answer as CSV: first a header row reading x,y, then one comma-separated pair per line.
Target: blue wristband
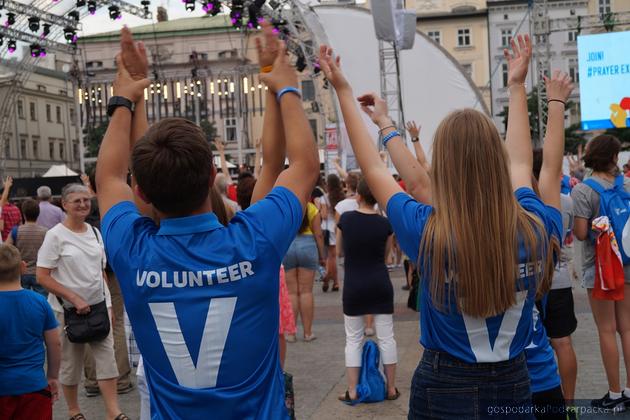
x,y
390,136
287,90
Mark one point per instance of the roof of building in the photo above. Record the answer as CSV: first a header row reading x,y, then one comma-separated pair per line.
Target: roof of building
x,y
182,27
453,14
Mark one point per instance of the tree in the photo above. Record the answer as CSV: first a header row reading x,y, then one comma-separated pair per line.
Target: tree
x,y
623,134
93,138
210,130
573,137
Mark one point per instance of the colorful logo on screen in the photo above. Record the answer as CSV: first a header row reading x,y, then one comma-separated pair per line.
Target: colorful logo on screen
x,y
619,113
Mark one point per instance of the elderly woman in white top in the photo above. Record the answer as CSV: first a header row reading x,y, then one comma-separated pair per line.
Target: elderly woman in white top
x,y
70,265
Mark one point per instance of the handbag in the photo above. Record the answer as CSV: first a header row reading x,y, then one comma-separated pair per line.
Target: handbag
x,y
89,327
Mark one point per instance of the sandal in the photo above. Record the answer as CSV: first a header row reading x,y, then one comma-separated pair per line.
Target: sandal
x,y
122,416
78,416
309,338
335,288
325,287
346,398
393,397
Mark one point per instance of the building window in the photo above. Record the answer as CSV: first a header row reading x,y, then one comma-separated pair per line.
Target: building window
x,y
58,113
63,92
20,106
94,64
7,148
308,90
435,36
506,37
572,36
573,70
23,147
230,129
35,147
48,113
313,124
32,110
61,151
51,149
463,38
228,53
504,72
604,7
75,150
41,88
73,116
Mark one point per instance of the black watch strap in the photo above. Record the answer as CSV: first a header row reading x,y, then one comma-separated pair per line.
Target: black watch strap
x,y
115,102
415,139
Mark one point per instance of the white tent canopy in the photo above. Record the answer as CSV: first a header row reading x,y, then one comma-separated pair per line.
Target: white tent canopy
x,y
217,162
59,170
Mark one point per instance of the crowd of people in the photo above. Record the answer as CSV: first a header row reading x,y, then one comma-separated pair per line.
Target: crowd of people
x,y
215,273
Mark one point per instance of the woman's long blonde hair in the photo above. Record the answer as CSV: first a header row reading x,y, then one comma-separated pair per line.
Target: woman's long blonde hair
x,y
471,241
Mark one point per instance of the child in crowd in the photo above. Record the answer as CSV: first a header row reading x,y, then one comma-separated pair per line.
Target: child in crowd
x,y
27,323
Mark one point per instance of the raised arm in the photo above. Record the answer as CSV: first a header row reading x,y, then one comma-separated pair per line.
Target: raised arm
x,y
414,131
301,175
220,146
113,157
257,162
559,88
381,183
342,172
8,183
273,141
518,141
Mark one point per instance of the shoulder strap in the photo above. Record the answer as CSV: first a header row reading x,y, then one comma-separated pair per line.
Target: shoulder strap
x,y
95,234
99,242
619,181
595,185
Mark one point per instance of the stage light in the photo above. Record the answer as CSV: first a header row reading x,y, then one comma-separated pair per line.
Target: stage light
x,y
189,5
253,21
114,13
35,50
42,52
91,6
70,35
212,7
74,15
12,46
1,41
80,3
300,64
46,31
145,4
33,24
236,15
10,18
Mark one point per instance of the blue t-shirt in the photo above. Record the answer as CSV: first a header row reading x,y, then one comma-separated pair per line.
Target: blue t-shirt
x,y
24,317
541,363
473,340
203,303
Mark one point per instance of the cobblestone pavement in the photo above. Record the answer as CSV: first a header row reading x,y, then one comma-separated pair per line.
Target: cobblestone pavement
x,y
318,366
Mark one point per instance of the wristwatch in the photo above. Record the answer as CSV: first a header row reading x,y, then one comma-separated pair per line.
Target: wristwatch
x,y
415,139
115,102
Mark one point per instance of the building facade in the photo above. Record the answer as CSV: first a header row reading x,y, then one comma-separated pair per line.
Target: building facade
x,y
202,69
508,18
43,128
461,28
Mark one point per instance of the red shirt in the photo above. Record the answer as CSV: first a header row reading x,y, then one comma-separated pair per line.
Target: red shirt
x,y
231,192
12,217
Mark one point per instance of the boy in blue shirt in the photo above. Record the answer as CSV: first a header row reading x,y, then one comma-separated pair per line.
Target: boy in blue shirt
x,y
202,298
26,323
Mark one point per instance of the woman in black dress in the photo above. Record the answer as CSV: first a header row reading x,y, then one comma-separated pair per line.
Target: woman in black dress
x,y
365,237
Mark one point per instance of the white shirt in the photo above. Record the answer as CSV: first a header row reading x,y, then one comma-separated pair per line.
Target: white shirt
x,y
348,204
77,261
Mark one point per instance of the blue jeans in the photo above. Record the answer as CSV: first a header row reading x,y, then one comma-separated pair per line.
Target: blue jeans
x,y
444,387
29,281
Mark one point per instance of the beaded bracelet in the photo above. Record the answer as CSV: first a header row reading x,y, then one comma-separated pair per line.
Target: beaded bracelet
x,y
390,136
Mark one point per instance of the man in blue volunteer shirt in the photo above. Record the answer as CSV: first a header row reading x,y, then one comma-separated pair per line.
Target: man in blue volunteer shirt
x,y
202,298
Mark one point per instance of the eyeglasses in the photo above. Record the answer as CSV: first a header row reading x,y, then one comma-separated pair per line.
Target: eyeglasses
x,y
79,201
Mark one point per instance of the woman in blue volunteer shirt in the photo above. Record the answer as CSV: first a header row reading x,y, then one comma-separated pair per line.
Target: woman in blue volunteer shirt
x,y
484,246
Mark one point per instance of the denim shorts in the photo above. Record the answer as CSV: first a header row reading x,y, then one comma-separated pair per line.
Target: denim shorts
x,y
302,254
444,387
588,277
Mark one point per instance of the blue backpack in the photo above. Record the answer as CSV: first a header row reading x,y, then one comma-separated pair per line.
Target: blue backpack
x,y
371,387
615,203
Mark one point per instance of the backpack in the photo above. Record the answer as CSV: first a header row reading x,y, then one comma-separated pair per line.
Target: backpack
x,y
615,203
371,387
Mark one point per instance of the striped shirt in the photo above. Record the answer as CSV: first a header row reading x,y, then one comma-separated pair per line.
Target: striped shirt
x,y
28,240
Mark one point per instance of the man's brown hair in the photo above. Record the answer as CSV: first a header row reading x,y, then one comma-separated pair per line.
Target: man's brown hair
x,y
172,164
10,261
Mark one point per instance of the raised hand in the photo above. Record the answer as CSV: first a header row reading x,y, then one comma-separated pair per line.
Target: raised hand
x,y
413,129
283,74
332,68
134,55
220,146
518,60
126,86
376,108
267,50
258,143
559,86
8,182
